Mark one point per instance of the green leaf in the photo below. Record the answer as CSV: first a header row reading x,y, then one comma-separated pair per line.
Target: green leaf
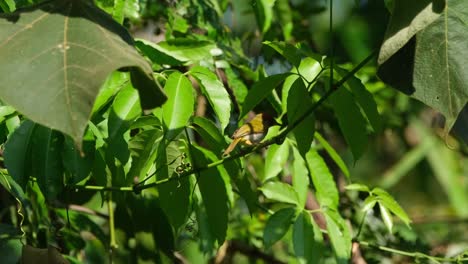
x,y
260,90
388,202
111,86
288,51
369,203
351,121
440,77
125,109
67,63
18,153
325,186
176,51
387,218
331,151
46,162
300,177
340,236
179,106
365,100
175,195
407,19
277,226
79,166
263,10
210,134
214,188
275,160
281,192
306,248
299,102
10,249
237,85
143,149
214,90
357,187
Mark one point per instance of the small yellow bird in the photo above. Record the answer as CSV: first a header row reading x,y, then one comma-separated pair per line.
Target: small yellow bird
x,y
251,132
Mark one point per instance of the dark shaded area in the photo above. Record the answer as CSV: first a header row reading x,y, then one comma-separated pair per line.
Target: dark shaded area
x,y
397,71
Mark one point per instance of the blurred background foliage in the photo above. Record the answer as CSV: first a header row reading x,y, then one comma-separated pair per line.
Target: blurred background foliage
x,y
425,169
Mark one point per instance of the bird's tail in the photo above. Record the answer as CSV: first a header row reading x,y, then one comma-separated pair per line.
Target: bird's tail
x,y
232,146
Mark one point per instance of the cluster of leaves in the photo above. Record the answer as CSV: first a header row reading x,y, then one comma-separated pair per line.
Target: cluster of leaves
x,y
96,139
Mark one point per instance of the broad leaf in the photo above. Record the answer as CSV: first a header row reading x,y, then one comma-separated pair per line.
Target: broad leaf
x,y
78,165
277,226
143,149
408,18
440,75
214,90
210,134
179,106
281,192
288,51
68,48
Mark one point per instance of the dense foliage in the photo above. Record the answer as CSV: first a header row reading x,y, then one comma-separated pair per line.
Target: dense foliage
x,y
114,116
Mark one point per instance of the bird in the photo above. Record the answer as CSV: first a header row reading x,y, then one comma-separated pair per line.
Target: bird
x,y
251,132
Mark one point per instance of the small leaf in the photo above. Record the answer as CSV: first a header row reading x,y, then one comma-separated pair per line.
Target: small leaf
x,y
277,226
214,90
357,187
143,149
331,151
340,236
326,191
280,192
351,121
179,107
387,200
300,177
263,10
369,203
306,248
276,158
387,218
260,90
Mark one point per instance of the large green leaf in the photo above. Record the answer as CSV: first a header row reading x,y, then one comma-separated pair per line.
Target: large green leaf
x,y
440,75
277,226
179,107
351,121
408,18
215,189
300,177
325,186
54,58
306,248
214,90
275,160
281,192
340,236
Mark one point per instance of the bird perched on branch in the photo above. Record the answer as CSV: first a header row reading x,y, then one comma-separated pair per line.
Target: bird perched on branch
x,y
251,132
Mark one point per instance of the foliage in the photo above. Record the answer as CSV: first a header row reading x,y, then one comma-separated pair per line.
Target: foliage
x,y
121,157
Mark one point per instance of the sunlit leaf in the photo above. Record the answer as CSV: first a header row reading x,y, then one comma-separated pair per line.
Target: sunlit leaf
x,y
276,157
326,190
281,192
340,236
300,177
333,154
306,248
